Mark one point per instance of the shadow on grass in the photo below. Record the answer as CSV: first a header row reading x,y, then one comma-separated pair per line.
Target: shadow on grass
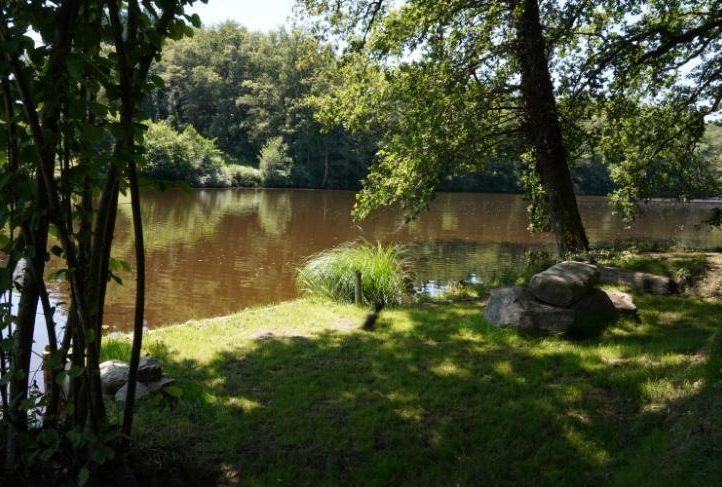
x,y
437,397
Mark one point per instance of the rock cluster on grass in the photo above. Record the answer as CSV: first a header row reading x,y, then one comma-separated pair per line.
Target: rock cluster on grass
x,y
114,378
557,298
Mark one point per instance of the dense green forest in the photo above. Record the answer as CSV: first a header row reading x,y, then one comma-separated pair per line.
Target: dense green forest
x,y
241,108
241,103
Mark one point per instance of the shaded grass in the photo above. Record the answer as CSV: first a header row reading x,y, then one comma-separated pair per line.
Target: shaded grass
x,y
295,394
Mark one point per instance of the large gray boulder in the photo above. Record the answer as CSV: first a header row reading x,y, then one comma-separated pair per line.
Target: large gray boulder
x,y
516,307
565,283
113,375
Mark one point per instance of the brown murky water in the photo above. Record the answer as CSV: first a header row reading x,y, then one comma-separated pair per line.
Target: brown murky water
x,y
213,252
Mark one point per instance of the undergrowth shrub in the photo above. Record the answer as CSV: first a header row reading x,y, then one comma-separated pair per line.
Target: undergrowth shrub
x,y
183,156
385,274
275,164
244,176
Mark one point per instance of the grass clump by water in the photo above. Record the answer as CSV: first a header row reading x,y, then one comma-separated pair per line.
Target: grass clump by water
x,y
385,275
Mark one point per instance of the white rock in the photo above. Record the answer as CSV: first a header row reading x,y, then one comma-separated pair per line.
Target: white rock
x,y
113,375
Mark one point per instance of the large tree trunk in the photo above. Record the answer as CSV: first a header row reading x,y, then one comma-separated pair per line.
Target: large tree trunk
x,y
544,131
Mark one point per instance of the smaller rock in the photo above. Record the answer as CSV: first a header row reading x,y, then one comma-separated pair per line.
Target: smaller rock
x,y
639,281
113,374
149,370
565,283
65,386
596,305
158,385
141,391
623,302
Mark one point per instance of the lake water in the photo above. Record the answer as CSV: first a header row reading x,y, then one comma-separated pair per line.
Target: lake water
x,y
214,252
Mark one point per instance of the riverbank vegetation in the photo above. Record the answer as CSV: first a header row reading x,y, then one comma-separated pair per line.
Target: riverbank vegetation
x,y
383,272
298,393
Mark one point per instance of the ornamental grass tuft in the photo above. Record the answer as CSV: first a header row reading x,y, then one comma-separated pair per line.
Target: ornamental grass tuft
x,y
385,274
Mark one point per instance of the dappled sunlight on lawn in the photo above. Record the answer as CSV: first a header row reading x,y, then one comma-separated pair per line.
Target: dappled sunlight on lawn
x,y
434,395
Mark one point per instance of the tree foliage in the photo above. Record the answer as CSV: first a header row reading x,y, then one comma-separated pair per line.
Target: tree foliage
x,y
456,85
243,89
648,73
186,156
445,79
275,165
72,134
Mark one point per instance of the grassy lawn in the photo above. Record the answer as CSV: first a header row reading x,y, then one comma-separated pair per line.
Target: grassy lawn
x,y
297,394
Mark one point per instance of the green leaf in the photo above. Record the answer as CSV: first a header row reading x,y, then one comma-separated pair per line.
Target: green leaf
x,y
75,67
53,361
4,241
47,454
173,391
100,453
75,372
83,476
6,378
157,81
116,265
76,438
27,404
93,133
49,437
59,275
98,109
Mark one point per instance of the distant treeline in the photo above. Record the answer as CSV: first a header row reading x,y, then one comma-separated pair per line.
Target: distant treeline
x,y
237,109
249,93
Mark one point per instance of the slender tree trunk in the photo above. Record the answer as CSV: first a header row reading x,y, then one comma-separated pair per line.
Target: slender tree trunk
x,y
544,130
127,149
139,300
12,158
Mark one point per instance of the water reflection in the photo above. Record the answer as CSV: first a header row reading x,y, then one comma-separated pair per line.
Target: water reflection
x,y
213,252
40,336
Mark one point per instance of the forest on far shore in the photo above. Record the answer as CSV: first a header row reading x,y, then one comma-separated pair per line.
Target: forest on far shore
x,y
241,108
